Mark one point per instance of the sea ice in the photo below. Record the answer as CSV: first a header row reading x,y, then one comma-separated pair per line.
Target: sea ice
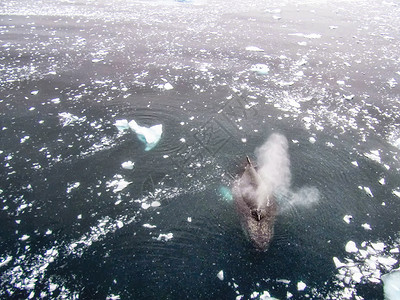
x,y
254,48
127,165
366,226
351,247
368,191
220,275
301,286
391,285
149,226
165,237
118,184
260,69
148,135
122,124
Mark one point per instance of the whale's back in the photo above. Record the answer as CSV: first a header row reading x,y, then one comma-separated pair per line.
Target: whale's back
x,y
255,206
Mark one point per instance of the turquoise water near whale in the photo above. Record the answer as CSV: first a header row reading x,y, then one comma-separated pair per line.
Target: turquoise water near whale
x,y
76,224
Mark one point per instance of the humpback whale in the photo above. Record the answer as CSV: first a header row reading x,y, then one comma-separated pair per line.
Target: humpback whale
x,y
255,205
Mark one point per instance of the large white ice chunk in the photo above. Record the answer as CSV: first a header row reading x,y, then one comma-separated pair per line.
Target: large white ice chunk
x,y
391,285
148,135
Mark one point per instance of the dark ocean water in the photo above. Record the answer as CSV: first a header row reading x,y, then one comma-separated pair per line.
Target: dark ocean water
x,y
70,69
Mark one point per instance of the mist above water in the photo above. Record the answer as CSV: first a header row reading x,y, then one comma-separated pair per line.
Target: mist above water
x,y
273,161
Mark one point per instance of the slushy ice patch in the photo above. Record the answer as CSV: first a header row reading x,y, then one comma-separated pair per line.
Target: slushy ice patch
x,y
150,136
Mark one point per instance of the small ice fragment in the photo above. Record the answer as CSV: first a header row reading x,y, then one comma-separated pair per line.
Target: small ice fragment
x,y
79,217
347,218
72,186
340,82
301,286
260,69
48,232
349,97
55,100
5,261
24,139
220,275
128,165
149,226
34,92
387,261
122,124
366,226
351,247
168,86
394,250
391,285
148,135
120,224
53,287
396,193
338,263
357,277
374,155
155,204
145,205
166,237
333,27
189,219
354,163
118,185
378,246
382,181
182,140
368,191
244,140
302,43
113,297
312,140
254,48
24,237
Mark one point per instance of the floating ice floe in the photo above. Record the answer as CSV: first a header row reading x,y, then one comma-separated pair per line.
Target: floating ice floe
x,y
351,247
307,36
374,155
366,226
220,275
260,69
347,218
396,193
149,226
72,186
128,165
118,183
150,136
165,237
68,118
166,86
391,285
301,286
254,48
349,97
